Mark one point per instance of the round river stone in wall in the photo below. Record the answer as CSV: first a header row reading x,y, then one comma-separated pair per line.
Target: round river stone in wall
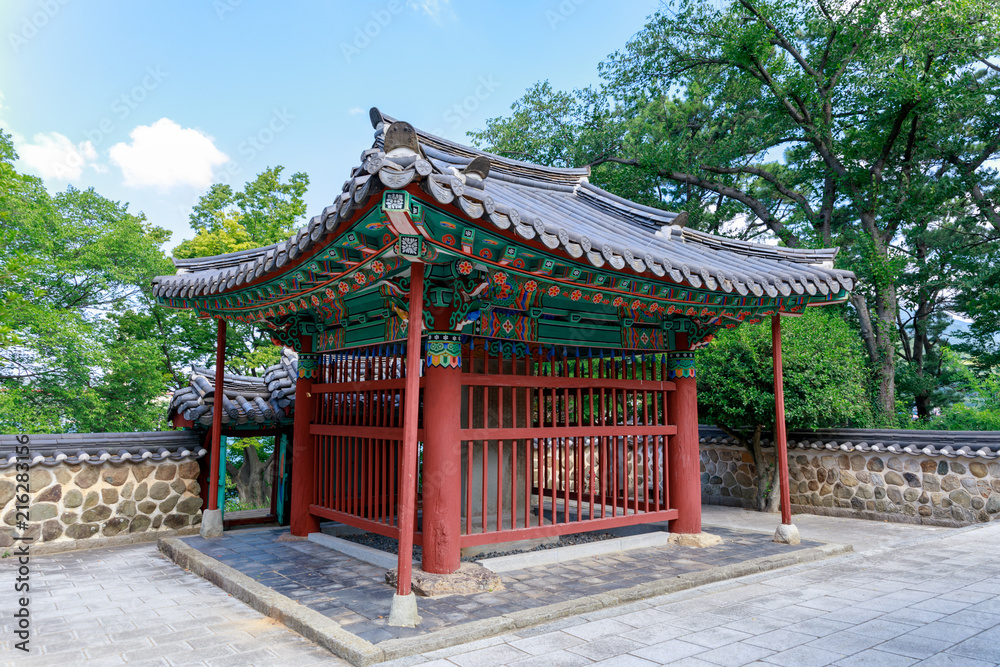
x,y
115,475
127,508
86,477
178,485
114,526
39,479
139,524
6,492
51,530
42,511
69,518
90,500
141,491
81,531
159,490
188,470
99,513
894,478
141,472
166,471
168,504
189,505
109,496
73,498
50,495
978,469
147,507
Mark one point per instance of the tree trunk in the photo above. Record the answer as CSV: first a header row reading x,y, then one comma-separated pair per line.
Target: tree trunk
x,y
774,500
760,466
252,480
885,346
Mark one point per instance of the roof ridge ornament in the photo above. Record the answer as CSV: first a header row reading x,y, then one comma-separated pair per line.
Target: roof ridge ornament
x,y
400,138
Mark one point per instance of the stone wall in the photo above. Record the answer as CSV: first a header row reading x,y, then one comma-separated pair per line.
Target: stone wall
x,y
83,501
100,488
912,487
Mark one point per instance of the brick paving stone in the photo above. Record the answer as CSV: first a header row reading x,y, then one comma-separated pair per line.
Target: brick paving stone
x,y
606,647
915,646
780,640
735,655
716,637
560,658
669,651
547,643
845,642
949,632
803,656
984,646
875,658
597,629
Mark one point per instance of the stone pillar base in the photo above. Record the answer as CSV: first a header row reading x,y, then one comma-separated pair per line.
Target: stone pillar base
x,y
699,540
211,523
787,534
403,613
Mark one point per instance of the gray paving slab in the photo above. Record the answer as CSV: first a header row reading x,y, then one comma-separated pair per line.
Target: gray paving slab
x,y
853,610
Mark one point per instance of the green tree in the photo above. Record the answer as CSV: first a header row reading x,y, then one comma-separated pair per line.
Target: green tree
x,y
824,382
70,265
814,122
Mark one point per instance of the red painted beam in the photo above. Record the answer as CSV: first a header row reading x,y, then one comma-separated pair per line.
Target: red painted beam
x,y
481,379
494,536
411,412
442,470
220,371
303,479
563,432
781,438
683,456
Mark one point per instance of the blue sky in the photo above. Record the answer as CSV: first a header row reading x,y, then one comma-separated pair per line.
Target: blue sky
x,y
150,103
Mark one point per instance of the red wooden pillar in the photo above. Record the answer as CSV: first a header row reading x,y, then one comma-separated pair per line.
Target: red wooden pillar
x,y
781,444
442,474
411,411
683,458
220,371
303,482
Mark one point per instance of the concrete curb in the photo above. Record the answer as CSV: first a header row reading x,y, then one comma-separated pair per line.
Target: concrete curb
x,y
60,547
320,629
309,623
362,552
574,552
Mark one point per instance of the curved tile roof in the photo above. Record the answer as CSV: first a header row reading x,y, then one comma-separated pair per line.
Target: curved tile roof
x,y
951,444
96,448
558,207
262,400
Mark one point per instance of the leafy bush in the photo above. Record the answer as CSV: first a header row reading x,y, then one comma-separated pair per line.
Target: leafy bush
x,y
825,381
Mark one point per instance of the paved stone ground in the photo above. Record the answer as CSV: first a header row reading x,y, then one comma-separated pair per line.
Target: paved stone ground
x,y
355,594
931,603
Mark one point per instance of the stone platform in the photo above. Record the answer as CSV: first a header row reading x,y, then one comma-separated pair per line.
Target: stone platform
x,y
329,586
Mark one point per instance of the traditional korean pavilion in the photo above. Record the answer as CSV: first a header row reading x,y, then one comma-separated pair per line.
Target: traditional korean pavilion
x,y
550,385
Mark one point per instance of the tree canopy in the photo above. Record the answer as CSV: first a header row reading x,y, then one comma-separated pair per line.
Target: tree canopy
x,y
824,380
869,125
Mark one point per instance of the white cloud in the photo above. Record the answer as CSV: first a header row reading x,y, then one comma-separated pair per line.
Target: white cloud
x,y
53,156
165,155
354,111
438,10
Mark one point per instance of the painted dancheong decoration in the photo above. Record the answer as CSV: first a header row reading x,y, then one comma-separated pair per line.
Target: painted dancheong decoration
x,y
556,330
